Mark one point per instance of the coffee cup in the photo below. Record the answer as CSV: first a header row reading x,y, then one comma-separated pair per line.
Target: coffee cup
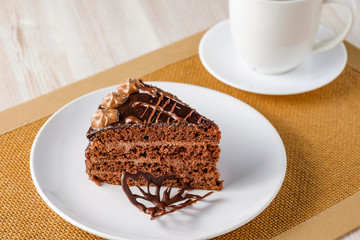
x,y
275,36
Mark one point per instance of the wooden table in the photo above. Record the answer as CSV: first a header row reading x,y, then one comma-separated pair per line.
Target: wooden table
x,y
47,44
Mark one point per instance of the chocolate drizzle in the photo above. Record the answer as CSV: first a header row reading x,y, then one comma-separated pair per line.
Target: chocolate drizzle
x,y
161,207
132,119
152,105
157,108
148,90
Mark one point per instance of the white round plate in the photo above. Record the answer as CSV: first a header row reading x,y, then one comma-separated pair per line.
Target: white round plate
x,y
252,165
218,55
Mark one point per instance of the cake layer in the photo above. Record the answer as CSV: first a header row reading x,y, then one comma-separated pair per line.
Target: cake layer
x,y
199,174
152,151
198,181
157,132
178,168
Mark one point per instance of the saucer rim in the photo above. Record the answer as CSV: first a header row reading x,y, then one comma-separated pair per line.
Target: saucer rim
x,y
262,91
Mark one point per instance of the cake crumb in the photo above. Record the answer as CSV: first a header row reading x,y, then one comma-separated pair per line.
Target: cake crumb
x,y
95,180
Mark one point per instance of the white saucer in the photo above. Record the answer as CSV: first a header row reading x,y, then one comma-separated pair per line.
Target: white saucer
x,y
252,165
217,54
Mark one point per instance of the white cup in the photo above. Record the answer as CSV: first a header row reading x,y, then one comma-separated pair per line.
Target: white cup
x,y
274,36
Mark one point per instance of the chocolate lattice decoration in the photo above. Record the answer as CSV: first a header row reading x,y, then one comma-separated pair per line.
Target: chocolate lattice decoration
x,y
167,203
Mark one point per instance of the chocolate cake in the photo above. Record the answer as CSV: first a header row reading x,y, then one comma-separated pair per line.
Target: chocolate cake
x,y
143,128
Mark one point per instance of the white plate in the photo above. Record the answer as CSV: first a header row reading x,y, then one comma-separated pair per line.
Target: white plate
x,y
252,164
217,54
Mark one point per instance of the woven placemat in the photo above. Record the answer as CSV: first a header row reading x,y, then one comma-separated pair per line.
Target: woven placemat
x,y
320,130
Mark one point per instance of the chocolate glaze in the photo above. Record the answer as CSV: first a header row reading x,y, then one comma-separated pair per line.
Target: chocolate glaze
x,y
161,207
153,105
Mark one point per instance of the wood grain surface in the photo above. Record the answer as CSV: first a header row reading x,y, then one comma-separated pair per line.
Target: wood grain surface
x,y
47,44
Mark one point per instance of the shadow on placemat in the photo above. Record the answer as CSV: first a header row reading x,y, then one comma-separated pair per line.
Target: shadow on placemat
x,y
320,130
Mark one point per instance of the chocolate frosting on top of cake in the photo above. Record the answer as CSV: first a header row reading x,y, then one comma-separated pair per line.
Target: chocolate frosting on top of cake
x,y
149,104
152,105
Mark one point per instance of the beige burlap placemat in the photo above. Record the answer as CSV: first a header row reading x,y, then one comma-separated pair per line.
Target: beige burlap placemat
x,y
320,130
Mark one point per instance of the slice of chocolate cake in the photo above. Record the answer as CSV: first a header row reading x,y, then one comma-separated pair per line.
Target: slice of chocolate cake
x,y
143,128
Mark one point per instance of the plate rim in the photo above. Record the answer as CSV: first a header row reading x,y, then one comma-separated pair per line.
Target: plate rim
x,y
283,92
84,227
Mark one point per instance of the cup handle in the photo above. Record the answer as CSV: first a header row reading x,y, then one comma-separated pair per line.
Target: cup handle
x,y
332,42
